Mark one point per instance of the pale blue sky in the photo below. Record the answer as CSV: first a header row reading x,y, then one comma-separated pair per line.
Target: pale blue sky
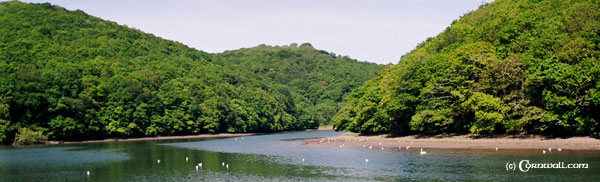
x,y
376,30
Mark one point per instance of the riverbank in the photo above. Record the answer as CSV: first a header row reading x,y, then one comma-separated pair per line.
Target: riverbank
x,y
220,135
323,128
458,142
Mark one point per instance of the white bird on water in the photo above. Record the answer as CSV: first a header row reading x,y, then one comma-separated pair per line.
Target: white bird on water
x,y
496,149
407,147
158,161
88,173
423,152
200,165
367,161
227,166
371,147
549,149
544,151
381,148
302,160
186,159
222,163
559,149
196,167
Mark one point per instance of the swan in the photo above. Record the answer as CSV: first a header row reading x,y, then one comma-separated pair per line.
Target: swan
x,y
186,159
423,152
88,173
544,151
158,161
367,161
559,149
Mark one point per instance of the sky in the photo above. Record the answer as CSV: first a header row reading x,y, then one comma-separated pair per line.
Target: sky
x,y
379,31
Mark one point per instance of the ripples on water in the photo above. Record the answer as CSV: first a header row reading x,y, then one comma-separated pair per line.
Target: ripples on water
x,y
44,163
277,158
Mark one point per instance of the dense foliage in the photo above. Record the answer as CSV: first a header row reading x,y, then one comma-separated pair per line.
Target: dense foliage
x,y
318,81
72,76
512,66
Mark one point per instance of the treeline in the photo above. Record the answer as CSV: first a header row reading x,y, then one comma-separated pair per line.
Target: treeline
x,y
66,75
512,66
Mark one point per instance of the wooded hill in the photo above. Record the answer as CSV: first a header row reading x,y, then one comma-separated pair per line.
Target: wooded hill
x,y
66,75
511,66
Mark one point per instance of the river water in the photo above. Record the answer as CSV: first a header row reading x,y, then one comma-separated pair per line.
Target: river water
x,y
279,157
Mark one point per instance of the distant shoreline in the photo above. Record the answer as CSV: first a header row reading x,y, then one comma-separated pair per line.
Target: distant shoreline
x,y
155,138
219,135
458,142
323,128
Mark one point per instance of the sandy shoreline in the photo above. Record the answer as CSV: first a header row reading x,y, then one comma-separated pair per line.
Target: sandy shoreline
x,y
458,142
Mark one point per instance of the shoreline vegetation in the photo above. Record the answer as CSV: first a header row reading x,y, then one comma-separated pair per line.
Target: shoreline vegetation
x,y
458,142
414,141
217,135
52,142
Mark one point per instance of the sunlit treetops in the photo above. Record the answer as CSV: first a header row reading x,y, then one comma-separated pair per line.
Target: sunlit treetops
x,y
66,75
511,66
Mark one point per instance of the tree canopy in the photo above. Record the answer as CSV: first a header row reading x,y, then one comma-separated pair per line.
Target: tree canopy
x,y
66,75
511,66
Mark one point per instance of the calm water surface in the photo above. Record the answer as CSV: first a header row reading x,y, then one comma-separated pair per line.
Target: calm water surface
x,y
278,157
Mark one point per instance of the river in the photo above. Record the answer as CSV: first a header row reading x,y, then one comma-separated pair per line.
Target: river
x,y
281,157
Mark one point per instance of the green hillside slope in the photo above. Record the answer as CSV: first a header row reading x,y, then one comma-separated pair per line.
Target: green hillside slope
x,y
319,81
512,66
66,75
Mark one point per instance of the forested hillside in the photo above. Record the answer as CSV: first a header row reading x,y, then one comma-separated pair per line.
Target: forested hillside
x,y
319,81
66,75
512,66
